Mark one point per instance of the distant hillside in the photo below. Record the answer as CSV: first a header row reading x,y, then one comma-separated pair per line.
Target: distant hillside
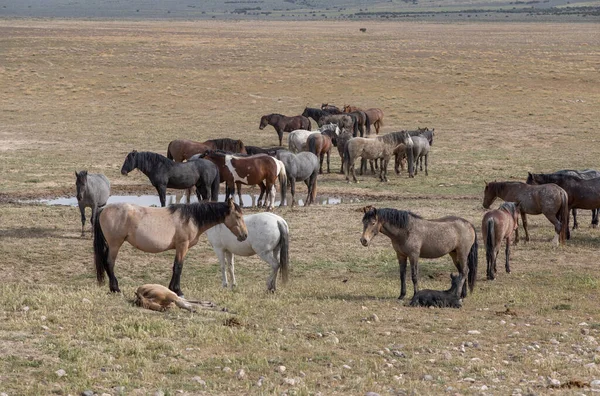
x,y
298,9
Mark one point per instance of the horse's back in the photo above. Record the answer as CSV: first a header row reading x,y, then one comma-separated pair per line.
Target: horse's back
x,y
98,189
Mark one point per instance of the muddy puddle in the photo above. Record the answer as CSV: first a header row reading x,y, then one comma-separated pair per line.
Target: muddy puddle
x,y
152,200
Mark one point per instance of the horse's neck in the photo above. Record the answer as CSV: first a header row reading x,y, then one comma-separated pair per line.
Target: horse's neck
x,y
394,232
510,192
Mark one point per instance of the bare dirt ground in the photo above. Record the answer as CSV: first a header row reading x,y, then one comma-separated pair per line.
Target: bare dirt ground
x,y
504,98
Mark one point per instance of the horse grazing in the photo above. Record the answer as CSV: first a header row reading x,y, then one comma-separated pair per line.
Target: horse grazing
x,y
226,144
283,123
304,167
260,169
268,236
438,298
320,145
180,150
583,193
548,199
93,190
497,225
374,114
159,298
165,173
374,148
414,237
156,230
253,150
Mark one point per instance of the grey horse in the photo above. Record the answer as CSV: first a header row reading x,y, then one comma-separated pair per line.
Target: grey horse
x,y
93,190
420,150
304,167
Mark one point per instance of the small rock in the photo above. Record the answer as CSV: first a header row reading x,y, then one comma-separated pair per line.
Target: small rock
x,y
398,378
554,341
25,309
85,300
240,374
371,394
45,327
388,365
159,393
484,387
595,384
474,332
374,318
427,378
553,382
259,383
289,381
87,393
61,372
399,354
280,369
447,355
42,318
333,340
199,380
449,389
119,389
302,374
227,369
469,379
106,394
345,366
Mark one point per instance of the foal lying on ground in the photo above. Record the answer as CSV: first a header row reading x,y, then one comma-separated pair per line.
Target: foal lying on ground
x,y
439,298
159,298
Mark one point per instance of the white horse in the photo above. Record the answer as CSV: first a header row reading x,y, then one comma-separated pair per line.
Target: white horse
x,y
297,139
268,236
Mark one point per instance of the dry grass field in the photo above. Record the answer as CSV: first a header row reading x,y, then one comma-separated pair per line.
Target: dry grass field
x,y
504,99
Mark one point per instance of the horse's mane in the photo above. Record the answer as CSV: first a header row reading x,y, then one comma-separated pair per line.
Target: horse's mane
x,y
202,213
146,160
398,218
393,138
552,177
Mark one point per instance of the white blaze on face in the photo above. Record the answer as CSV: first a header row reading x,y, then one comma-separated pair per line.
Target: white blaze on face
x,y
236,177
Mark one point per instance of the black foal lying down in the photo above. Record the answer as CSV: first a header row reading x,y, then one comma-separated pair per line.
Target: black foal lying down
x,y
439,298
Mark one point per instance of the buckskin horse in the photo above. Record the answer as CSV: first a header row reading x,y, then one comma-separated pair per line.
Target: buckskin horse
x,y
283,123
414,237
156,230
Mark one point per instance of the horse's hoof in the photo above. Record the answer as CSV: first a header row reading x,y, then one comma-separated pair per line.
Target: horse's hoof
x,y
401,297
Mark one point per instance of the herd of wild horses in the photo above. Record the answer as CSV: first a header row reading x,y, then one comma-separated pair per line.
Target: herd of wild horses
x,y
205,165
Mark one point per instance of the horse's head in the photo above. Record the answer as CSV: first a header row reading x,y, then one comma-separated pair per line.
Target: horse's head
x,y
489,195
264,121
371,225
234,221
305,112
347,109
80,183
324,106
130,163
531,178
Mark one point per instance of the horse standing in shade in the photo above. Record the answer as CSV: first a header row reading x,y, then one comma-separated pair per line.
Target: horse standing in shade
x,y
414,237
583,193
548,199
283,123
93,190
268,236
304,167
165,173
498,225
320,145
374,114
260,169
156,230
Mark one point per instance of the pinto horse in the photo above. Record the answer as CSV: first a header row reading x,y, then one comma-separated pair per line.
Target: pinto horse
x,y
320,145
374,114
283,123
548,199
260,169
414,237
497,225
156,230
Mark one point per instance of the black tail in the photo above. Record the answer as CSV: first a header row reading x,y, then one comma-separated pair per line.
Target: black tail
x,y
564,218
367,124
309,124
100,250
355,127
490,248
284,245
472,263
169,155
346,160
214,188
312,145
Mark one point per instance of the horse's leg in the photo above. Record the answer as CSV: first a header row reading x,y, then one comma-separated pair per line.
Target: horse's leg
x,y
594,218
292,183
273,190
180,252
524,217
162,194
553,218
280,135
507,251
238,185
463,269
202,192
353,174
271,258
414,272
575,224
231,268
402,262
94,217
426,161
363,166
328,169
321,157
82,210
221,256
113,284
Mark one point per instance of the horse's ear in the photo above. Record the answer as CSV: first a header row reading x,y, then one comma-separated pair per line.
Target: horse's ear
x,y
369,208
486,183
134,151
231,203
76,174
84,173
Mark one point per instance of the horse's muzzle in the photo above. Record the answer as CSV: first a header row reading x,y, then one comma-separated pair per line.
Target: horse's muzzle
x,y
242,237
364,242
123,172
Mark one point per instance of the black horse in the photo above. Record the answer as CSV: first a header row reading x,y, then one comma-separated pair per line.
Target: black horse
x,y
314,113
253,150
165,173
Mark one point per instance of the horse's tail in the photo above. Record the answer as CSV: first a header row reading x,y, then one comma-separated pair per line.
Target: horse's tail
x,y
214,188
282,180
100,250
169,154
564,217
367,124
284,245
309,124
312,145
410,159
355,127
346,159
472,262
489,247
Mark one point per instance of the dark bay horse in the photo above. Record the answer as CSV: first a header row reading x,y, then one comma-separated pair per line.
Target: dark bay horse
x,y
548,199
497,225
583,193
283,123
180,150
414,237
320,145
93,190
156,230
374,114
253,150
226,144
260,169
165,173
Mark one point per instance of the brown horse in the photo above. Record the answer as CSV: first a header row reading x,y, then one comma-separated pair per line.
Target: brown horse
x,y
375,116
226,144
414,237
156,230
548,199
283,123
260,169
320,145
180,150
499,224
159,298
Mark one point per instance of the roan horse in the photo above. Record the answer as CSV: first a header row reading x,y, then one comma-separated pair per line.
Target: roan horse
x,y
499,224
583,194
93,190
304,167
268,236
283,123
260,169
548,199
156,230
165,173
414,237
374,114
